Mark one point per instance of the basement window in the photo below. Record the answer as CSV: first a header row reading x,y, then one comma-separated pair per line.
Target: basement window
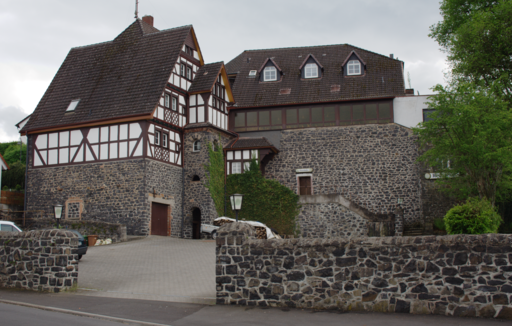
x,y
72,105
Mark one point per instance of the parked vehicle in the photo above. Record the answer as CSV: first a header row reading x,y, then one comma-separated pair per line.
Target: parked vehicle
x,y
82,245
9,226
212,229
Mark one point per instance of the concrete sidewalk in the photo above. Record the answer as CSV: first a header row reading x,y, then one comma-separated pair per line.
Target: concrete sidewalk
x,y
153,268
176,314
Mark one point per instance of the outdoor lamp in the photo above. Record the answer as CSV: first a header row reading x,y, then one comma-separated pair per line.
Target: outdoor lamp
x,y
57,210
236,203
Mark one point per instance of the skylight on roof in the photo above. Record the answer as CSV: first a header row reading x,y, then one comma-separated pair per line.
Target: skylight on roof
x,y
72,105
252,73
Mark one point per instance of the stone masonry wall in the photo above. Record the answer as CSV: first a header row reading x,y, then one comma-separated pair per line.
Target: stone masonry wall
x,y
39,260
165,182
330,220
371,165
463,275
196,194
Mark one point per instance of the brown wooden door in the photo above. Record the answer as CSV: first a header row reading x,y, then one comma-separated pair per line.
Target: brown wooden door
x,y
159,214
196,223
305,185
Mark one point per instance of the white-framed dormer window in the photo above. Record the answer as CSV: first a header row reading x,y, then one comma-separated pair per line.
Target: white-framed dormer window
x,y
167,98
270,73
252,73
354,67
157,138
197,146
311,71
72,105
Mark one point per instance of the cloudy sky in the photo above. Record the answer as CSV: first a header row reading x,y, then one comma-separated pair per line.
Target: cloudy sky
x,y
37,35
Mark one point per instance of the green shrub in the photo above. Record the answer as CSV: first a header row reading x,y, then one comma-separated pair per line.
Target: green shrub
x,y
475,216
439,224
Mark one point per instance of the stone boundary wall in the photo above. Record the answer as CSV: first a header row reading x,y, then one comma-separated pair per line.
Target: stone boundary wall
x,y
463,275
104,230
38,260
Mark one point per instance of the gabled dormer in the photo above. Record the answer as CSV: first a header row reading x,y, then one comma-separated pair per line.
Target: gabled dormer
x,y
270,71
353,65
311,68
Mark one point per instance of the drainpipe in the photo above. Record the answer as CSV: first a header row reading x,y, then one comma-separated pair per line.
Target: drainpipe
x,y
182,190
26,180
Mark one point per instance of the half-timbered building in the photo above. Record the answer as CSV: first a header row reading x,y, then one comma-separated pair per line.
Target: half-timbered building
x,y
120,134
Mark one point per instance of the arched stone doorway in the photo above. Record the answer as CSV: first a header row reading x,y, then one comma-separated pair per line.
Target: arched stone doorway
x,y
196,223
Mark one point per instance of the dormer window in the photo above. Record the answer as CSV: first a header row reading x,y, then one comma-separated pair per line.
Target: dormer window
x,y
270,73
252,73
354,67
72,105
311,70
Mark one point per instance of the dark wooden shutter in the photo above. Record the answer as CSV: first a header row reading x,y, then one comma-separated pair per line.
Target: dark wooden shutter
x,y
305,186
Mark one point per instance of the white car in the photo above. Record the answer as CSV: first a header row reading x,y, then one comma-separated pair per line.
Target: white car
x,y
212,229
9,226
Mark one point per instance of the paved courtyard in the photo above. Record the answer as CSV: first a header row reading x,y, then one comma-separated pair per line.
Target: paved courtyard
x,y
153,268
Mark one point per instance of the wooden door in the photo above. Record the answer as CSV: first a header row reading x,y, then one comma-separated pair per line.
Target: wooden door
x,y
196,223
159,221
305,185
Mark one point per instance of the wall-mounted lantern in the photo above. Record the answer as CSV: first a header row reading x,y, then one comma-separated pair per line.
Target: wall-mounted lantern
x,y
57,210
236,203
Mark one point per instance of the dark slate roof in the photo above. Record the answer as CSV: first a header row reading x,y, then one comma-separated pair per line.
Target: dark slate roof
x,y
205,77
384,76
249,142
113,79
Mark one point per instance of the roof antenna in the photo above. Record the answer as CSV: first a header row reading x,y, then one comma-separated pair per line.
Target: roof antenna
x,y
136,9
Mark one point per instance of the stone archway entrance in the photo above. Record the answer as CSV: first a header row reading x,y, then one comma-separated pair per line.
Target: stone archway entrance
x,y
196,223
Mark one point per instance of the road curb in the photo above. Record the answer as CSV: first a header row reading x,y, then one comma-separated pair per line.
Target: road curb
x,y
82,314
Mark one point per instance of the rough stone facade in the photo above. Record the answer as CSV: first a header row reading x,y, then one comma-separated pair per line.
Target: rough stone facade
x,y
371,165
39,260
464,275
196,194
118,192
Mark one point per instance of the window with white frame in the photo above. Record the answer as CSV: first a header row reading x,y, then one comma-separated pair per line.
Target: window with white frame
x,y
189,73
157,138
164,139
174,104
72,105
236,167
354,67
182,72
197,146
270,73
311,70
167,99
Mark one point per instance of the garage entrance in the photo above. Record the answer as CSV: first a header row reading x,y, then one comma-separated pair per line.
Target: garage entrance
x,y
159,221
196,223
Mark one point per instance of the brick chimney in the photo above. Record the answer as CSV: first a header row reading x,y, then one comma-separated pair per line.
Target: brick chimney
x,y
409,91
148,20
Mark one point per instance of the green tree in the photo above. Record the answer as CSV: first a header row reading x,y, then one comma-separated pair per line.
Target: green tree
x,y
15,176
477,36
472,128
12,153
215,175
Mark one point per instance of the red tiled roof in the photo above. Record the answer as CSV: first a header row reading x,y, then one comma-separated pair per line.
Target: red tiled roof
x,y
3,160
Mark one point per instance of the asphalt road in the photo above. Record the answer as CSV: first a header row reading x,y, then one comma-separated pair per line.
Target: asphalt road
x,y
145,312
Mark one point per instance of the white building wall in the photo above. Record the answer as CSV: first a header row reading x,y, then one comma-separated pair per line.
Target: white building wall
x,y
408,110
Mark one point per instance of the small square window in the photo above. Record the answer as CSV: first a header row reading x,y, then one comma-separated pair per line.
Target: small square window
x,y
236,167
426,114
270,73
354,67
197,146
157,138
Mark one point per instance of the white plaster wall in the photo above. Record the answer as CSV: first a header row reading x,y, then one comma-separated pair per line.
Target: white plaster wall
x,y
408,110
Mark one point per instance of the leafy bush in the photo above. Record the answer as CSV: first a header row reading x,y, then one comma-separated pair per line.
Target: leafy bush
x,y
11,152
14,178
473,217
439,224
215,175
266,201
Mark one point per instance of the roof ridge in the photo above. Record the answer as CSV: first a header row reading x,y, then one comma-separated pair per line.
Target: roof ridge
x,y
211,63
169,29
